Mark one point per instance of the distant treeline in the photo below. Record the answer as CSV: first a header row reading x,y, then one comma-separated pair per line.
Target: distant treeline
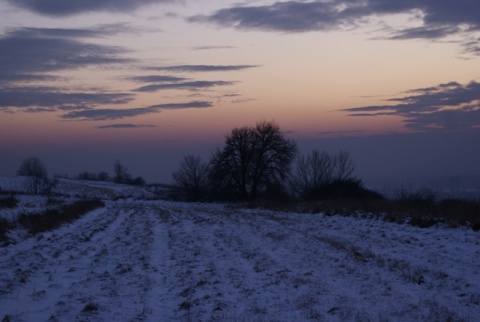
x,y
37,180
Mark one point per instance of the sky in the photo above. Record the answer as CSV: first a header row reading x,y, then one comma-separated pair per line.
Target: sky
x,y
395,83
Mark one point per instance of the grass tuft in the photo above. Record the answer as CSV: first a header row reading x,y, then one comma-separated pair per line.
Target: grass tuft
x,y
5,226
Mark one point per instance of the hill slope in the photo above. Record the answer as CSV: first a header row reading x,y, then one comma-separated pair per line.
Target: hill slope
x,y
167,261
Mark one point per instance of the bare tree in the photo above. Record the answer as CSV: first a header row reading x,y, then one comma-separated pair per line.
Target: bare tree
x,y
313,171
192,178
344,166
317,170
102,176
120,172
32,167
252,159
85,175
36,174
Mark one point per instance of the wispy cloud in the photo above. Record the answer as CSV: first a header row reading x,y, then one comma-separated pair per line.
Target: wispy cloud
x,y
449,106
335,133
60,8
157,79
424,32
56,98
472,46
27,78
203,68
125,126
114,114
103,30
212,47
168,82
193,85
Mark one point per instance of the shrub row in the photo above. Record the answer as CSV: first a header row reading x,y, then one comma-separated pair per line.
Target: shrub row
x,y
53,218
10,203
416,212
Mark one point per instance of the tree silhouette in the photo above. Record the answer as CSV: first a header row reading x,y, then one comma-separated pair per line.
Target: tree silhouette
x,y
120,172
37,176
32,167
313,171
191,178
252,159
320,171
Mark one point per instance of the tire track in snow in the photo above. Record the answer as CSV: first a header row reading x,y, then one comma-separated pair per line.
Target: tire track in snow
x,y
97,260
222,275
158,300
116,275
382,269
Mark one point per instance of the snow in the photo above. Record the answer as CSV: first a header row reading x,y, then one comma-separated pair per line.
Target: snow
x,y
81,188
11,183
155,260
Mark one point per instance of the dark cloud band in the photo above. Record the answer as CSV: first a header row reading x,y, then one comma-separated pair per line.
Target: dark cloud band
x,y
300,16
72,7
450,106
115,114
57,98
194,85
440,18
28,53
125,126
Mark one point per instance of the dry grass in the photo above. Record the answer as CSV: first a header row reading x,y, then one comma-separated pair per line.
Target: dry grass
x,y
53,218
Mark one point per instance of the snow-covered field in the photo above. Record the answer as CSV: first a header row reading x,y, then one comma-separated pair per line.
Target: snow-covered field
x,y
154,260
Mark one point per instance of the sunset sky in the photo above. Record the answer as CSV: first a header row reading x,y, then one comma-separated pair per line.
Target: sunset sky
x,y
395,83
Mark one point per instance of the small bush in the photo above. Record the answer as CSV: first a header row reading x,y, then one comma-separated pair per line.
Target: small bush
x,y
53,218
344,189
90,307
421,202
423,222
138,181
9,202
462,212
4,228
